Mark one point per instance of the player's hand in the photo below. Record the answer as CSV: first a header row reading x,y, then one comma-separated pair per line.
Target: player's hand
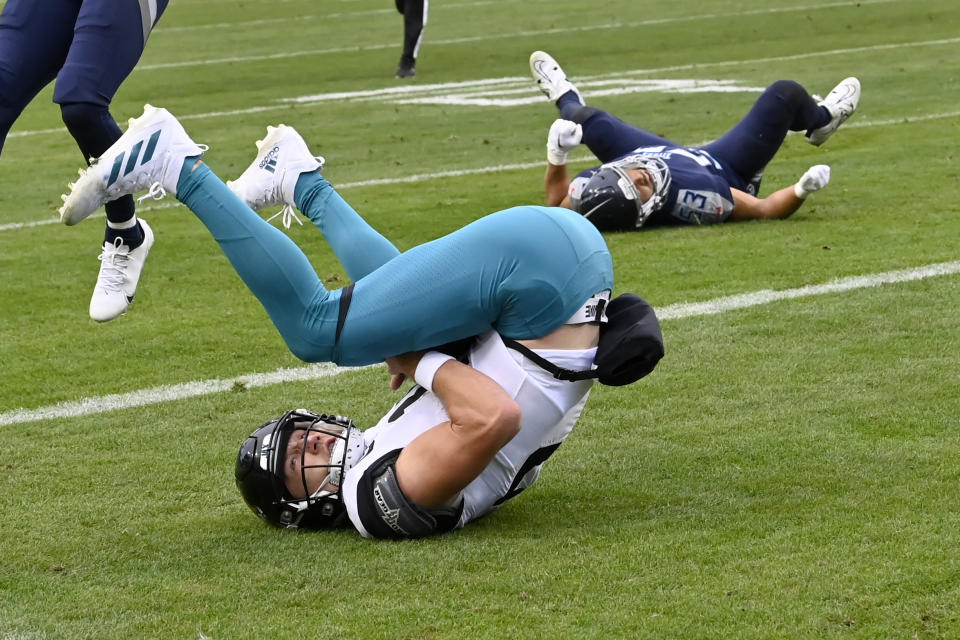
x,y
402,367
816,178
563,138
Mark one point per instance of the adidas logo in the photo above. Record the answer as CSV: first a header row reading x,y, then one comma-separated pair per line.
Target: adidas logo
x,y
123,168
269,162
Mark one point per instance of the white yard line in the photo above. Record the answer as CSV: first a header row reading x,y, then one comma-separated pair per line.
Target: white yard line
x,y
426,177
166,393
341,186
488,36
412,93
766,296
173,393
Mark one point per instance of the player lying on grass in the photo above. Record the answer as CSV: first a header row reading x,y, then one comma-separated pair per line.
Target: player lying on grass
x,y
467,437
648,180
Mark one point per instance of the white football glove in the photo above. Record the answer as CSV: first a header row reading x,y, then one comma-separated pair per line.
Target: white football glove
x,y
563,138
816,178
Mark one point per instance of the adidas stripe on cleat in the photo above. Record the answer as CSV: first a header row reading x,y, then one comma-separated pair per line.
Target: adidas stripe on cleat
x,y
149,155
126,164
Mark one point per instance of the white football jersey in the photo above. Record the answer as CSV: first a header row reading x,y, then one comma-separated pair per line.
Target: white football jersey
x,y
550,409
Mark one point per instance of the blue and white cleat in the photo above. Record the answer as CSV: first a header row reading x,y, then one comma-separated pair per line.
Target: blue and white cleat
x,y
272,176
149,155
841,102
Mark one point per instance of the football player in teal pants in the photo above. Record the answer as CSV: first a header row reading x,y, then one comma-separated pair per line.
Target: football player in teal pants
x,y
524,272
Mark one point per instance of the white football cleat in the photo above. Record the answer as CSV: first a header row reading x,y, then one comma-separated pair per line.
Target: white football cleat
x,y
841,102
120,268
149,155
272,176
551,80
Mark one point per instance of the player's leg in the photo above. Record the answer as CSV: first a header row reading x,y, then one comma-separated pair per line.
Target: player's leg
x,y
747,148
609,137
414,21
272,266
34,38
605,135
523,271
448,289
155,152
359,247
286,172
108,40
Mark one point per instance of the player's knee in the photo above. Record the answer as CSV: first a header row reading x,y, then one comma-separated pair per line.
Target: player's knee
x,y
303,350
91,125
83,116
582,113
5,93
788,91
12,100
601,131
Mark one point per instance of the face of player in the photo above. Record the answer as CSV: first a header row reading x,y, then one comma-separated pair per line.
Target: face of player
x,y
643,181
308,451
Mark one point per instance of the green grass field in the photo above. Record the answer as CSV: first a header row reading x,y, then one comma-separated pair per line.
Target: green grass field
x,y
789,471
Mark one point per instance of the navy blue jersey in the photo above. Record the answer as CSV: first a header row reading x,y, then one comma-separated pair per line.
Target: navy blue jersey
x,y
699,190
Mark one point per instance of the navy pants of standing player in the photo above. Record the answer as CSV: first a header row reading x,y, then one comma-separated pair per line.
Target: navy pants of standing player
x,y
89,47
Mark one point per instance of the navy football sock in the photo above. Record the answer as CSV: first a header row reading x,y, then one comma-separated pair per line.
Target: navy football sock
x,y
568,103
825,118
132,236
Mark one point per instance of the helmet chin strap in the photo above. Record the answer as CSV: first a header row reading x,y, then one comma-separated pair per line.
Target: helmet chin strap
x,y
346,452
337,454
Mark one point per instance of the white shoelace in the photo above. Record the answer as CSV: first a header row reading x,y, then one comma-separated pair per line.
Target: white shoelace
x,y
289,215
156,192
113,266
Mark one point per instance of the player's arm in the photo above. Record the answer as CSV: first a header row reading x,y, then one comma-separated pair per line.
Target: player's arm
x,y
779,204
563,137
556,186
439,463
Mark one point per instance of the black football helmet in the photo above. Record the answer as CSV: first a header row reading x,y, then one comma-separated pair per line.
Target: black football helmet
x,y
610,199
259,471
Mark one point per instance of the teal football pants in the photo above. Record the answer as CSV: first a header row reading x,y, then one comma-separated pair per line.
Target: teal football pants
x,y
522,271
